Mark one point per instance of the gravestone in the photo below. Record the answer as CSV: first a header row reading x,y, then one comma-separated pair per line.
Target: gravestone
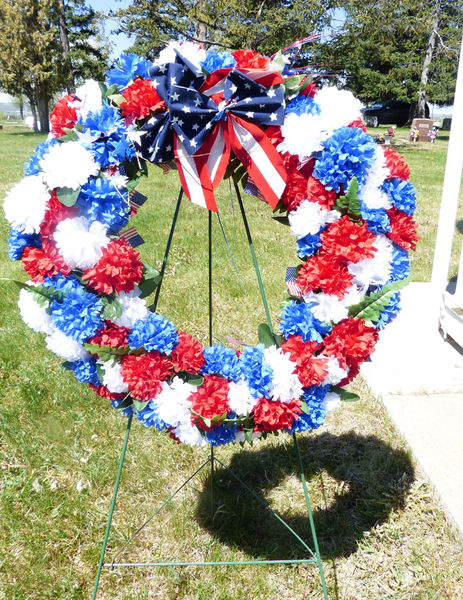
x,y
424,126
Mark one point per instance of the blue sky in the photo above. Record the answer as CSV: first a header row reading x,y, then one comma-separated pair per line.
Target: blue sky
x,y
121,41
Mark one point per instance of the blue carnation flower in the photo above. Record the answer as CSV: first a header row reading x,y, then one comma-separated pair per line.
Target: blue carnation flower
x,y
223,434
348,153
32,166
257,373
127,411
156,333
402,194
150,418
218,60
303,105
113,150
78,314
19,240
85,371
63,284
103,122
308,245
298,319
99,200
400,265
313,397
221,361
377,219
389,313
130,65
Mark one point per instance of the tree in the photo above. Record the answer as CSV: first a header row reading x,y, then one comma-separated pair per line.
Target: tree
x,y
398,49
34,58
265,26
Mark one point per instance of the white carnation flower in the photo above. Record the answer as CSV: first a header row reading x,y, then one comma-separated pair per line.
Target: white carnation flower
x,y
172,404
310,217
189,434
338,108
240,437
133,308
331,402
192,51
65,347
302,134
376,270
68,165
112,378
285,383
335,372
34,315
326,307
240,399
370,192
89,98
80,244
25,204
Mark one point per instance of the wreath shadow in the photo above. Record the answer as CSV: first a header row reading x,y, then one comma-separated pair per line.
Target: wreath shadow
x,y
368,479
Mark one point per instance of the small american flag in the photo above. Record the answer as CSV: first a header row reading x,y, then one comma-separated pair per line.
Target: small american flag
x,y
136,200
290,280
252,189
132,236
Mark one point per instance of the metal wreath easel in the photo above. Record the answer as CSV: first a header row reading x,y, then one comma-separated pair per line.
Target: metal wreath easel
x,y
314,557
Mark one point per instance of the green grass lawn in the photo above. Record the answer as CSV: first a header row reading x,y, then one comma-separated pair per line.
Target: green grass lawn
x,y
381,533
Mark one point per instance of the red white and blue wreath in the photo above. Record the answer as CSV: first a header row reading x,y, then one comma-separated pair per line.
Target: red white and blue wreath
x,y
306,152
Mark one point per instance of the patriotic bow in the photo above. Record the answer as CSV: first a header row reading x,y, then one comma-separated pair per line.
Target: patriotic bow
x,y
207,131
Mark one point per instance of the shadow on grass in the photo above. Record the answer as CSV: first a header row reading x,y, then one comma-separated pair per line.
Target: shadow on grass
x,y
368,479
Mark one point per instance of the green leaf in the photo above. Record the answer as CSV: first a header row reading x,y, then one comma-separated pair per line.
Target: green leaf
x,y
112,309
139,406
106,352
116,99
108,92
350,202
100,372
103,88
248,435
345,395
191,378
305,408
265,335
370,307
282,220
42,295
65,365
67,196
278,63
70,135
150,280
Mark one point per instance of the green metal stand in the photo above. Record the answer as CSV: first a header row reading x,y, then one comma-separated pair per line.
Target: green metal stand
x,y
314,555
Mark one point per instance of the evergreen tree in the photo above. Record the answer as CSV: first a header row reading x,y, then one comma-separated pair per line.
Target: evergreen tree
x,y
398,49
265,26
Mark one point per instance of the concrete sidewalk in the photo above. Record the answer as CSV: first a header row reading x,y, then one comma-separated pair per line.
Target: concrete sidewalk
x,y
419,376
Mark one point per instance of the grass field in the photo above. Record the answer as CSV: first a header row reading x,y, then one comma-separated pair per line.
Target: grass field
x,y
381,533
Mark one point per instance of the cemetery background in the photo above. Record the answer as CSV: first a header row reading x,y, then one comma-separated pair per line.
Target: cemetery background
x,y
378,523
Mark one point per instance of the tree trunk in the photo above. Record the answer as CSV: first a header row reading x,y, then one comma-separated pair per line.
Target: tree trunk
x,y
421,105
21,107
63,36
42,109
34,114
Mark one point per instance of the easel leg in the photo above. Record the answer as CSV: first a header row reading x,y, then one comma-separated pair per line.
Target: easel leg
x,y
212,482
111,508
309,511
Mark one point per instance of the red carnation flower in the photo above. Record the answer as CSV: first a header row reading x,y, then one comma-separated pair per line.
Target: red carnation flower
x,y
348,240
141,100
249,59
210,400
403,229
295,190
326,273
188,354
110,335
39,264
64,115
396,163
316,192
351,341
118,269
145,373
102,390
358,123
311,370
272,415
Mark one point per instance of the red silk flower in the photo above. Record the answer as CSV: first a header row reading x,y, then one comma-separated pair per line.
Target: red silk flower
x,y
145,373
188,354
210,400
272,415
141,100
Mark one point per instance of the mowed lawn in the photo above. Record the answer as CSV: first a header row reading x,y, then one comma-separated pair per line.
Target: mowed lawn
x,y
381,532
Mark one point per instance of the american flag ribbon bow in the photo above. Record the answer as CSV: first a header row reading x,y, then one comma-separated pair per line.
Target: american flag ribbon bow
x,y
207,127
